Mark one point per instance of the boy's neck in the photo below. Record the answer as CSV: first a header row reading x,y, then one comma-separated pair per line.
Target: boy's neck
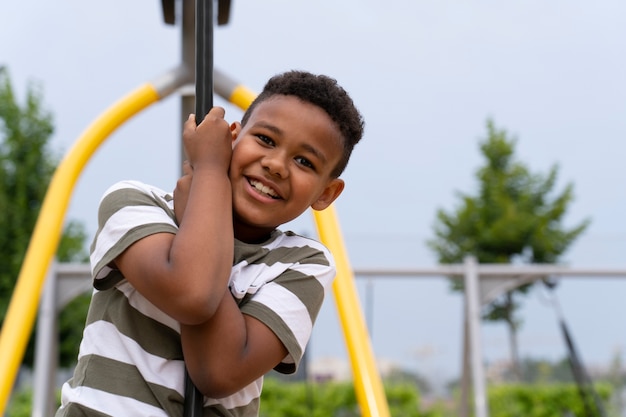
x,y
253,235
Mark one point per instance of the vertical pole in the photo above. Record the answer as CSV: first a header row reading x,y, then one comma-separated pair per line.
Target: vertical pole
x,y
369,306
466,370
204,58
46,348
204,102
473,317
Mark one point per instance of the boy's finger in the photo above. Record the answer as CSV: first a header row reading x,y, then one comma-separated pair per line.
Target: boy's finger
x,y
190,122
217,111
187,168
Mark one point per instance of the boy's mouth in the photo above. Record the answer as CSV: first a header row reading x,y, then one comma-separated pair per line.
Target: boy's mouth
x,y
264,189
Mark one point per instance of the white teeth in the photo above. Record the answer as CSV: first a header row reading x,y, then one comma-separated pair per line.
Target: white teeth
x,y
263,188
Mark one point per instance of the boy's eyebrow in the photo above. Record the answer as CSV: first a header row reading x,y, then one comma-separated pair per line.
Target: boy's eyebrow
x,y
319,155
269,126
306,146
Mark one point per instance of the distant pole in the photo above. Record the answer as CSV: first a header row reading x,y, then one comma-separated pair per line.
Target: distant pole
x,y
369,305
472,304
188,57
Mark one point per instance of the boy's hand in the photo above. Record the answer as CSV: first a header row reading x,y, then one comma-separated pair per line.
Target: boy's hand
x,y
181,192
185,274
208,144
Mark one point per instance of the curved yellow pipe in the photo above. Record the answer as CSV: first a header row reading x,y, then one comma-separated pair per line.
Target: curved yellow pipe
x,y
368,386
22,309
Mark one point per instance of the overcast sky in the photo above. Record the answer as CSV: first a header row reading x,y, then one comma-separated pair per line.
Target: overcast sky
x,y
426,76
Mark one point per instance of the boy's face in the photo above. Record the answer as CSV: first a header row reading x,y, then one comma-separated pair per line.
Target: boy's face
x,y
281,165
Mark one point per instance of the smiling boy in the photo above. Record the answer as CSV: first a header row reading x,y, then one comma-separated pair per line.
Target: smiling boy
x,y
206,274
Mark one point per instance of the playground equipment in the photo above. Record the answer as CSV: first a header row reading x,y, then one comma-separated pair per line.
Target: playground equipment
x,y
483,283
44,241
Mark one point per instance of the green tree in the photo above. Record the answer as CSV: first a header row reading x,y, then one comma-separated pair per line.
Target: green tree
x,y
26,168
515,217
538,371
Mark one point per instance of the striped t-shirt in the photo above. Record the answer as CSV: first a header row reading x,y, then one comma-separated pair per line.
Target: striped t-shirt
x,y
130,361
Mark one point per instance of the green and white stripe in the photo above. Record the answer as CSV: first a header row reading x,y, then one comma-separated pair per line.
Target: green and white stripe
x,y
130,360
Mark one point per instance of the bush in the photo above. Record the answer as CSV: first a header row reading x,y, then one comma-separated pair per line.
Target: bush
x,y
330,399
545,400
20,404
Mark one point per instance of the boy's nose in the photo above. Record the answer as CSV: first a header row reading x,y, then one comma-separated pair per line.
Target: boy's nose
x,y
275,164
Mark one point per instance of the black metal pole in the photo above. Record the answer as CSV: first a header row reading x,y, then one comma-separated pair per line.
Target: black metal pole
x,y
204,103
204,58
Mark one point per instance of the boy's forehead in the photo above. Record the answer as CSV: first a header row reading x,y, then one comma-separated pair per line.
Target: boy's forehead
x,y
272,100
274,107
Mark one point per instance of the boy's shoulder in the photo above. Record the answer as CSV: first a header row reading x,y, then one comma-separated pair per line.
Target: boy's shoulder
x,y
136,185
136,193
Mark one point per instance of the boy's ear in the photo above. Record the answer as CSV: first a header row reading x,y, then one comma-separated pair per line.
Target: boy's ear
x,y
235,130
330,194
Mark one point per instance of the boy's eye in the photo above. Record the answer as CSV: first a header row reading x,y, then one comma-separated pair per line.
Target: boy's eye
x,y
305,162
265,139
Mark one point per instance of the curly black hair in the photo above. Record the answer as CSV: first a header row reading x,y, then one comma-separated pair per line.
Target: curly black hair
x,y
324,92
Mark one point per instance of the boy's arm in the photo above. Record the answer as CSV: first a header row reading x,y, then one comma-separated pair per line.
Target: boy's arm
x,y
185,275
230,350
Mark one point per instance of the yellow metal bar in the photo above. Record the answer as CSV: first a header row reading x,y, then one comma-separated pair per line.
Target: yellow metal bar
x,y
368,386
241,97
22,309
